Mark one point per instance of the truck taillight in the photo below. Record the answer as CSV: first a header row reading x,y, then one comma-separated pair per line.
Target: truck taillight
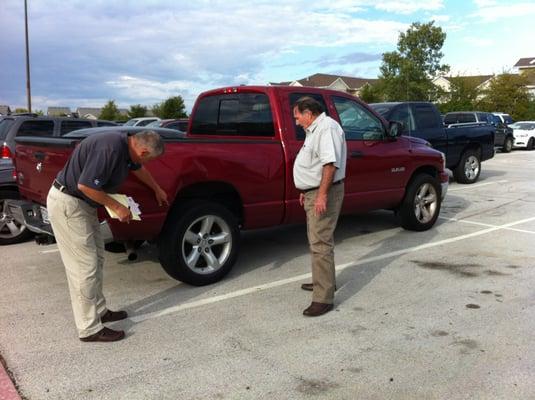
x,y
5,152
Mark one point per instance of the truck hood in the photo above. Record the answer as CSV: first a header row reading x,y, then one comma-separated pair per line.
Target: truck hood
x,y
418,141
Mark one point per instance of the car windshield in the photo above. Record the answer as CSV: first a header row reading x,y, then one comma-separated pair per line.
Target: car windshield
x,y
131,122
4,127
381,109
527,126
154,124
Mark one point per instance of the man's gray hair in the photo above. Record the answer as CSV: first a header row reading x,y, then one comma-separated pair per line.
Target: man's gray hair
x,y
152,140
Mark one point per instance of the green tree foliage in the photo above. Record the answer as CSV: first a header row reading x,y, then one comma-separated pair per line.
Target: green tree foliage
x,y
406,74
508,93
371,93
21,110
137,111
173,107
110,111
463,95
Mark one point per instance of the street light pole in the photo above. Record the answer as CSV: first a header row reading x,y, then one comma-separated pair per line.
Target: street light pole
x,y
28,90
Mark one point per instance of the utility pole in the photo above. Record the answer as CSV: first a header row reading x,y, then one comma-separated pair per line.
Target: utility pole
x,y
28,86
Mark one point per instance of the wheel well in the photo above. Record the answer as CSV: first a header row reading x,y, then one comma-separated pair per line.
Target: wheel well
x,y
473,146
217,192
426,169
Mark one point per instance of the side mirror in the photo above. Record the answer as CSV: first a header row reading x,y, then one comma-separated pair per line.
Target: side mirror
x,y
395,129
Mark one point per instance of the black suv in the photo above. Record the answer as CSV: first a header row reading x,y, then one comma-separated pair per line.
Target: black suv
x,y
27,125
503,137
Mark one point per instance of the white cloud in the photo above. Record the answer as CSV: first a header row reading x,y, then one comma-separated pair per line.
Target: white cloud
x,y
409,7
490,11
479,42
440,18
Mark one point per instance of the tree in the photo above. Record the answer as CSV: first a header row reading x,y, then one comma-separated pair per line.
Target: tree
x,y
508,93
20,110
406,74
463,94
371,93
110,111
173,107
137,111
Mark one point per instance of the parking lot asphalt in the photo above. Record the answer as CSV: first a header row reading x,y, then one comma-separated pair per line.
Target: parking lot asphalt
x,y
443,314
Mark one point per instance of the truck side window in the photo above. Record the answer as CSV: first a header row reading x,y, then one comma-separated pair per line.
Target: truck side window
x,y
357,122
299,132
244,114
402,114
36,128
426,117
69,126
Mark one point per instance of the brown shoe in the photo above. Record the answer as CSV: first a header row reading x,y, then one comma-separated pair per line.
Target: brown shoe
x,y
104,335
310,287
112,316
317,309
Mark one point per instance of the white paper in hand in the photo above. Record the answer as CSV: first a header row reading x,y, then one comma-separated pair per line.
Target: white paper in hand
x,y
126,201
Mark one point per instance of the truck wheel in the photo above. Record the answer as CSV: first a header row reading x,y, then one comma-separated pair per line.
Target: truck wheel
x,y
199,244
469,167
421,204
10,230
531,144
508,144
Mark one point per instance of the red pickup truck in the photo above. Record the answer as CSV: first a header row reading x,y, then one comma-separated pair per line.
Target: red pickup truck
x,y
232,170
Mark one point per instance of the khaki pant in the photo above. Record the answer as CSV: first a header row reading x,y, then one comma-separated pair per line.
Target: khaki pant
x,y
320,232
76,228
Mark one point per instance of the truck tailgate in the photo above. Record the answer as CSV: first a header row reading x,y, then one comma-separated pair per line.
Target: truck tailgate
x,y
37,162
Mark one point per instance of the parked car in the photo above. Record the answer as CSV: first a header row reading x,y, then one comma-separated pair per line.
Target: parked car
x,y
524,132
232,170
505,118
180,124
465,144
503,138
142,121
12,231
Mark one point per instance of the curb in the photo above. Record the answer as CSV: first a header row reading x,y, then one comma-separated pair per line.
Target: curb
x,y
7,388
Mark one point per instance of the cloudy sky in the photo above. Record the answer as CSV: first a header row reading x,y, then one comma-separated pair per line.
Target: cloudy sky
x,y
85,52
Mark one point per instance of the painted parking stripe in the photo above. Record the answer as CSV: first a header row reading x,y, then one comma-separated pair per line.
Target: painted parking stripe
x,y
464,187
49,251
465,221
282,282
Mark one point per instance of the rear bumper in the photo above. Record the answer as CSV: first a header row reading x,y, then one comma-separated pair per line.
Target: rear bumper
x,y
35,218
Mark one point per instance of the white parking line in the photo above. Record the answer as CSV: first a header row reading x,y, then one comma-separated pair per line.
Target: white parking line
x,y
49,251
464,187
255,289
465,221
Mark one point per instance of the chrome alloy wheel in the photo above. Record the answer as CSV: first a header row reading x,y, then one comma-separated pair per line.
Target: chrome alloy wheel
x,y
9,228
425,203
471,167
207,244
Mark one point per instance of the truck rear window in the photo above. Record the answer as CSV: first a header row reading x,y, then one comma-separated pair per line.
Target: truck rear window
x,y
36,128
243,114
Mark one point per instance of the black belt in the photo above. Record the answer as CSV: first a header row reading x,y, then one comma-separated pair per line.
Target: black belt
x,y
316,188
63,189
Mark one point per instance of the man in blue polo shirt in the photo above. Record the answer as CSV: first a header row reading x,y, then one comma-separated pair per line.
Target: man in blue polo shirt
x,y
98,166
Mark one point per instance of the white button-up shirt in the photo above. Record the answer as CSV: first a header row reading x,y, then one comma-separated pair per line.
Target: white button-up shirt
x,y
324,144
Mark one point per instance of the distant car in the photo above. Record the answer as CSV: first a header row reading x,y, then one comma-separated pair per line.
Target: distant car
x,y
503,138
142,121
180,124
524,133
505,118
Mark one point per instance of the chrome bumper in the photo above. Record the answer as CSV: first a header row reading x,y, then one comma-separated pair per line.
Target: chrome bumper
x,y
35,218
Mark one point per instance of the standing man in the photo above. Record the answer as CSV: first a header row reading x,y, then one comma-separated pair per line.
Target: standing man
x,y
319,172
98,166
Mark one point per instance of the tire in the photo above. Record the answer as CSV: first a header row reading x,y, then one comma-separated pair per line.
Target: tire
x,y
11,232
469,168
421,204
507,145
531,144
187,250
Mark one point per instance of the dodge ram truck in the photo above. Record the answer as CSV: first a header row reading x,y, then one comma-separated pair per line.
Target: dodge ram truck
x,y
232,171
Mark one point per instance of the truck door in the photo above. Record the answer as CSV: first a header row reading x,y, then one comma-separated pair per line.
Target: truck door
x,y
377,167
428,125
